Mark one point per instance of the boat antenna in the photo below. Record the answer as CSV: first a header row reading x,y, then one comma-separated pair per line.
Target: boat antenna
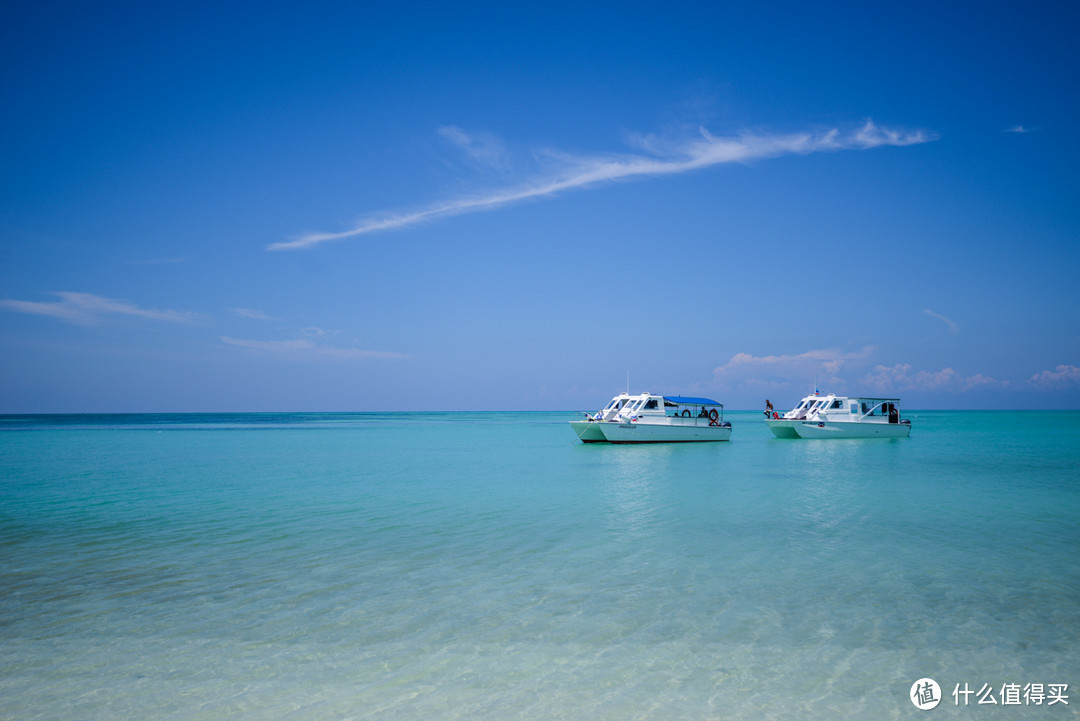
x,y
627,382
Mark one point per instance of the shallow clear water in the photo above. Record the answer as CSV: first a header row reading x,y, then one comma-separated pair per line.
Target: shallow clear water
x,y
489,565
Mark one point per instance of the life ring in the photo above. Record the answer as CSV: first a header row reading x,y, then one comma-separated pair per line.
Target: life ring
x,y
713,422
713,415
686,413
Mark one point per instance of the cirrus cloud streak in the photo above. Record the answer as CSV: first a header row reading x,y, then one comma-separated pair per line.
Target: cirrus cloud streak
x,y
953,327
90,309
307,347
577,173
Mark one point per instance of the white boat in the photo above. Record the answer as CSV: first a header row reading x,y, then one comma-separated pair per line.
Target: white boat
x,y
651,418
783,426
833,416
588,429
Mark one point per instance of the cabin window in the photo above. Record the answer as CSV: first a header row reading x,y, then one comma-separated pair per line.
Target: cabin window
x,y
836,404
854,407
651,405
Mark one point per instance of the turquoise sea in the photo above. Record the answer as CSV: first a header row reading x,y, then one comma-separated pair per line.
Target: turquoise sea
x,y
451,566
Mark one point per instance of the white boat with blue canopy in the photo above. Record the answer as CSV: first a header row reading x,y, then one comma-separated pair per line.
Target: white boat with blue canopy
x,y
652,418
833,416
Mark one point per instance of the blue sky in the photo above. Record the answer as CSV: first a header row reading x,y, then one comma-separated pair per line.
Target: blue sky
x,y
349,207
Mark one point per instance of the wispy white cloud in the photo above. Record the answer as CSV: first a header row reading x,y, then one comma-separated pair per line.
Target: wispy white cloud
x,y
979,380
1063,375
483,149
901,377
953,328
89,309
827,359
305,347
270,346
778,372
1020,129
253,314
831,368
663,158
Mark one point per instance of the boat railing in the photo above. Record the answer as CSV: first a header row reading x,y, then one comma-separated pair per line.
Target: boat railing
x,y
711,415
700,418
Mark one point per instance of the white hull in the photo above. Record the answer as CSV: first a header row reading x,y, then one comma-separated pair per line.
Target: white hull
x,y
849,429
643,432
588,431
782,428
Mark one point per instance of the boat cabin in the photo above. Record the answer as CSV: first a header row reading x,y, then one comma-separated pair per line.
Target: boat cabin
x,y
844,408
615,405
679,409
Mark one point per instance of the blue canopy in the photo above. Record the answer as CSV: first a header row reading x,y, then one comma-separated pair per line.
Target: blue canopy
x,y
692,401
